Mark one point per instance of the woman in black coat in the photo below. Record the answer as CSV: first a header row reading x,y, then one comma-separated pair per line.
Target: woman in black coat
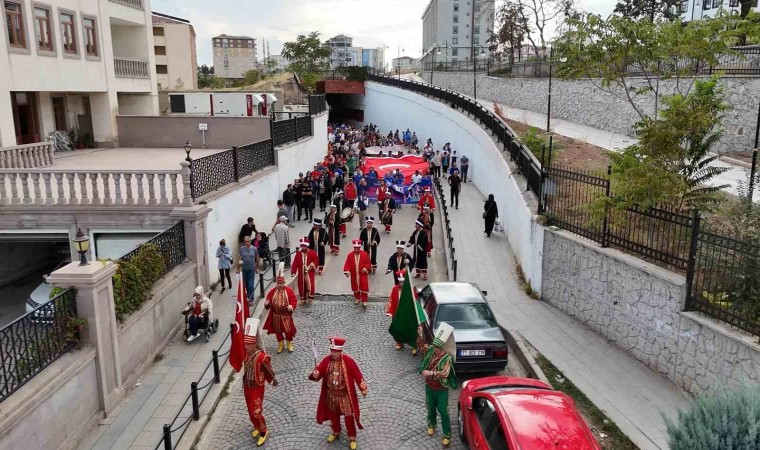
x,y
490,213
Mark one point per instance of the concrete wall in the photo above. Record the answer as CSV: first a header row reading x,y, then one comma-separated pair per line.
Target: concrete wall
x,y
392,108
579,101
144,331
173,131
637,306
54,408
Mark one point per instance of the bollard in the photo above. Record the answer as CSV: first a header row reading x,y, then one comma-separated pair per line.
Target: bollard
x,y
215,361
261,284
455,270
167,437
194,395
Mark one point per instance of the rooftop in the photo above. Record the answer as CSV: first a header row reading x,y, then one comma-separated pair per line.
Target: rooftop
x,y
168,18
233,37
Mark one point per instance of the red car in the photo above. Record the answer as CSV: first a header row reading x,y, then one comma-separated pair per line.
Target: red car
x,y
500,413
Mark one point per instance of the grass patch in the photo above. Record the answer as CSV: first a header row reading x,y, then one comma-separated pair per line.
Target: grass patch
x,y
607,434
226,389
524,283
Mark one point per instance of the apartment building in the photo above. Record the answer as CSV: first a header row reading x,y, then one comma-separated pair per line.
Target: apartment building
x,y
69,64
705,9
456,26
405,63
174,49
345,54
233,56
374,58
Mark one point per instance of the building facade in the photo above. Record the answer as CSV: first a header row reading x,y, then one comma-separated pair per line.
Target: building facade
x,y
374,58
457,26
280,62
345,54
404,63
174,49
71,65
704,9
233,56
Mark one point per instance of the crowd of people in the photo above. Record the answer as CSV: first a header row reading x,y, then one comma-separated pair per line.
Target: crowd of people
x,y
338,187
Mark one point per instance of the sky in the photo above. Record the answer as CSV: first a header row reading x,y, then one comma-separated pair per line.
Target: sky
x,y
395,24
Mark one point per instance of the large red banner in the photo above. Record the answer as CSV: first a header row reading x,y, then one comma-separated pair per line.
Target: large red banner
x,y
407,164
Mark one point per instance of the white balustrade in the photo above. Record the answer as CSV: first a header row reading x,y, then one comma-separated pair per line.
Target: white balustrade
x,y
116,188
28,156
130,68
133,3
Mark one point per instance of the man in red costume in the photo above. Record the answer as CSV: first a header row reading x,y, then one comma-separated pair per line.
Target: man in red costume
x,y
305,265
340,377
257,371
357,267
426,199
281,302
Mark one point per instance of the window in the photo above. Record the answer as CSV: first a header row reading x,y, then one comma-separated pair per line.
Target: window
x,y
732,4
456,7
716,3
486,416
68,33
455,30
14,19
454,52
476,40
455,40
685,5
476,29
226,62
43,29
497,439
159,31
162,69
90,33
456,18
477,6
706,4
159,50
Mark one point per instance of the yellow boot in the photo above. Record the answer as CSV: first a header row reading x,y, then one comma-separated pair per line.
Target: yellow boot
x,y
255,433
262,439
446,441
352,445
414,351
430,431
331,438
280,346
291,347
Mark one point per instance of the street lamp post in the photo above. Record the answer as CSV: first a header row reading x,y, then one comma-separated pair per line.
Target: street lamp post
x,y
549,101
82,244
474,69
437,49
398,61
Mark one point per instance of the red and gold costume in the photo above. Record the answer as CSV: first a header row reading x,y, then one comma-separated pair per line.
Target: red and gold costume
x,y
257,371
357,268
305,264
426,199
340,377
281,302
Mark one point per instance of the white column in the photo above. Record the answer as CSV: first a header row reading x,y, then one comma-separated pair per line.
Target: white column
x,y
7,129
105,106
47,119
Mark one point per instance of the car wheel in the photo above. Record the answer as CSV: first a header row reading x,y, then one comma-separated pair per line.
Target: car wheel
x,y
460,422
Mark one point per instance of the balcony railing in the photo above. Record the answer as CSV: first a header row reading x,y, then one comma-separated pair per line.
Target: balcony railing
x,y
130,68
26,156
133,3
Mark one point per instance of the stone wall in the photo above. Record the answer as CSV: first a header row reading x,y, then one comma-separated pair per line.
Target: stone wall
x,y
582,102
638,307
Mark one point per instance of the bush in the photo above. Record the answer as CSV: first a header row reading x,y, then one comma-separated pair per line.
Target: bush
x,y
726,420
134,279
536,142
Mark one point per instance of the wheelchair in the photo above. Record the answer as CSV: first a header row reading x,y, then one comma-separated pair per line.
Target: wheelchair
x,y
207,326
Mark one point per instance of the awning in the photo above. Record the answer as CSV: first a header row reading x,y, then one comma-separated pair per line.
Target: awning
x,y
270,98
256,98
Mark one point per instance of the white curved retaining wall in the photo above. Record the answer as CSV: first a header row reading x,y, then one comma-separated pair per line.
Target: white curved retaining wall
x,y
392,108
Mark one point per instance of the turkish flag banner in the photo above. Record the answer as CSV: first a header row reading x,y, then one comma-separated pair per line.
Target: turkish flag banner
x,y
407,165
237,347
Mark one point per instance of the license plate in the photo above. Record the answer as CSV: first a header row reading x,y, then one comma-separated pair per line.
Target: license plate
x,y
472,353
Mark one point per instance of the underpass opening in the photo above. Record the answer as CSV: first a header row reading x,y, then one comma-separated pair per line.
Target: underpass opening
x,y
346,108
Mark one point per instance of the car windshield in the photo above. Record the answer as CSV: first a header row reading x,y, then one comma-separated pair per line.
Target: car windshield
x,y
466,316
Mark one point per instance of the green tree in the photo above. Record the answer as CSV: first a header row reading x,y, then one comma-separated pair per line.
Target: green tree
x,y
725,420
205,70
649,9
307,53
511,30
210,81
251,77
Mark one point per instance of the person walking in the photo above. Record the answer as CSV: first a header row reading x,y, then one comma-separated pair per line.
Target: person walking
x,y
340,376
437,164
465,166
298,197
281,302
370,238
317,241
325,192
332,222
281,211
249,260
490,214
445,160
257,371
399,260
455,186
362,204
282,237
307,200
418,242
305,266
289,200
248,229
357,267
224,255
437,369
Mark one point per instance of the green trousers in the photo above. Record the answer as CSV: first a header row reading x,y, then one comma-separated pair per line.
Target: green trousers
x,y
438,401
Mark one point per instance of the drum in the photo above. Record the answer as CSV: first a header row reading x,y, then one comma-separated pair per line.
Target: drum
x,y
347,215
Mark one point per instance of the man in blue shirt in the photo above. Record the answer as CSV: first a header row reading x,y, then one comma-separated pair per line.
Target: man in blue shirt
x,y
249,260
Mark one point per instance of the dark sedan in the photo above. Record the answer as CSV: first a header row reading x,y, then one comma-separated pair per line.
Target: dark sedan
x,y
481,347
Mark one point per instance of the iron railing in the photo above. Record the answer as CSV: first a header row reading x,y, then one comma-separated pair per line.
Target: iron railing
x,y
452,266
527,164
33,341
171,245
220,169
253,157
317,104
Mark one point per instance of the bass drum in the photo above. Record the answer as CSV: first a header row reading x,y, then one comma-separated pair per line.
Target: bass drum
x,y
347,215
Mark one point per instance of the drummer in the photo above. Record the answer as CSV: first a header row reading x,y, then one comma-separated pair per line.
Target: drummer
x,y
344,216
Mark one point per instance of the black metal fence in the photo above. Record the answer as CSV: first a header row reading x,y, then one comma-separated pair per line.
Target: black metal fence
x,y
722,272
171,245
33,341
317,104
528,165
452,265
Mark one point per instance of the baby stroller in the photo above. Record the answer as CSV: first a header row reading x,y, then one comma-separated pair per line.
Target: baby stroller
x,y
264,253
208,327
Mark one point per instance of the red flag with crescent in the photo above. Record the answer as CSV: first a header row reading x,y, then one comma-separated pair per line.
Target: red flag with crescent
x,y
237,347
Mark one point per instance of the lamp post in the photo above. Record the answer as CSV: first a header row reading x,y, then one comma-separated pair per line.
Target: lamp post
x,y
82,244
437,49
474,69
398,61
188,148
549,101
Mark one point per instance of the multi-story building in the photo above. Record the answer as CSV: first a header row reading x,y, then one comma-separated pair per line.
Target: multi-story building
x,y
174,48
74,64
458,27
404,63
281,62
703,9
233,56
374,58
345,54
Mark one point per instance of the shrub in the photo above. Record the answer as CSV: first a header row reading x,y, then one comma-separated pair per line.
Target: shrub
x,y
536,142
133,280
726,420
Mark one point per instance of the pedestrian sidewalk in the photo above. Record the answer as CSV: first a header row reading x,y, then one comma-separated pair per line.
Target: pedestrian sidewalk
x,y
632,395
158,395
